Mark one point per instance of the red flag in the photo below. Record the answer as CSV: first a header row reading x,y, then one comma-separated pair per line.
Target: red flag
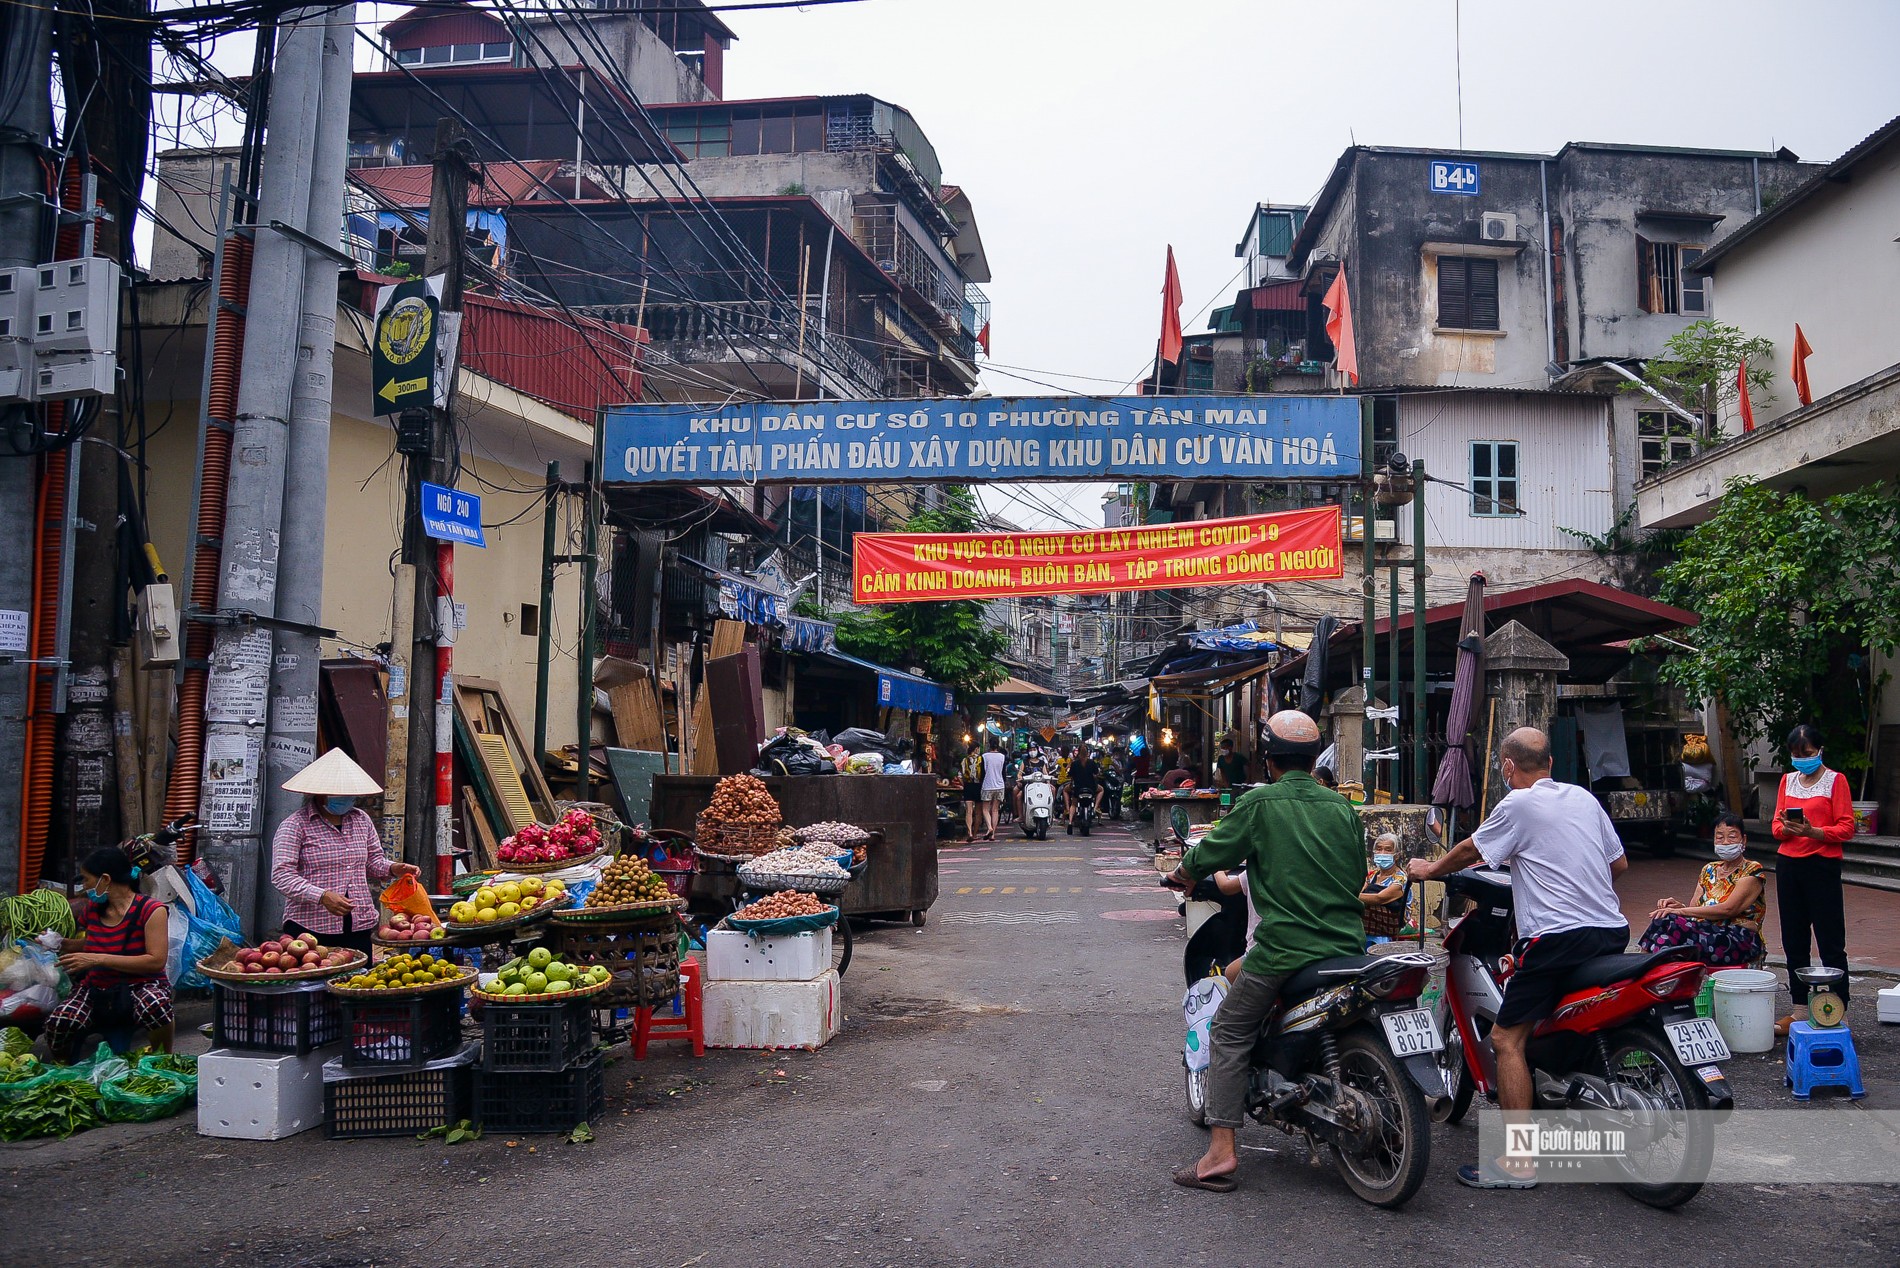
x,y
1339,328
1171,313
983,339
1741,384
1800,373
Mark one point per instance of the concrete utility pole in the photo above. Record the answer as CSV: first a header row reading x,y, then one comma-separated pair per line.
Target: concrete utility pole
x,y
447,255
237,696
291,741
113,76
26,58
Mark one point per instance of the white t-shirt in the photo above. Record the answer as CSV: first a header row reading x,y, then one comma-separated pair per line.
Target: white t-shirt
x,y
1560,845
992,771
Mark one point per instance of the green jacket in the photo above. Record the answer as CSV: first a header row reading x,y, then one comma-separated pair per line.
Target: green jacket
x,y
1305,850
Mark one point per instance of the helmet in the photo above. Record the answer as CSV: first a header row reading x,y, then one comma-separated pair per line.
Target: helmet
x,y
1291,733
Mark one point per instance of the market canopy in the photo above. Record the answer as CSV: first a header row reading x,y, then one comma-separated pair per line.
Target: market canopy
x,y
1014,689
1215,680
895,688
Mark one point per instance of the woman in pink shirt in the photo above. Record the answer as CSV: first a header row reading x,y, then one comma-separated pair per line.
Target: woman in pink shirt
x,y
1814,817
327,859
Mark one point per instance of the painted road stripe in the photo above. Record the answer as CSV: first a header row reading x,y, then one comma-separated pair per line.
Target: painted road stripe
x,y
1009,918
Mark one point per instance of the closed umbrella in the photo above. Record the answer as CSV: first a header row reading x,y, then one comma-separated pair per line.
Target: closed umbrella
x,y
1313,681
1452,787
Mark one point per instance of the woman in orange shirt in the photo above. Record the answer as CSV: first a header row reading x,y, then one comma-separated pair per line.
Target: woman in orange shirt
x,y
1814,817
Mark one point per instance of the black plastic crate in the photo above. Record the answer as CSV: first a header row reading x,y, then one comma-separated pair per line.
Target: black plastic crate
x,y
544,1102
535,1037
288,1022
406,1030
404,1103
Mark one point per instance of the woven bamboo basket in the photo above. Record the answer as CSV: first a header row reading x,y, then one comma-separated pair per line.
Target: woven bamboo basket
x,y
643,956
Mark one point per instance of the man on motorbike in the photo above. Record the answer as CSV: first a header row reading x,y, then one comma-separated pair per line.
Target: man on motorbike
x,y
1305,851
1084,781
1564,857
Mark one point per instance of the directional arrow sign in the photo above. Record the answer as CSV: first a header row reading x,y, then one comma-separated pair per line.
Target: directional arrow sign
x,y
402,360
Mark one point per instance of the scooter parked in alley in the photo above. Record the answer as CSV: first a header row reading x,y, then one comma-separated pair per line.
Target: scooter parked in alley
x,y
1624,1042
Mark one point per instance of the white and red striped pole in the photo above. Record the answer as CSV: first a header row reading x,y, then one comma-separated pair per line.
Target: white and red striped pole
x,y
444,717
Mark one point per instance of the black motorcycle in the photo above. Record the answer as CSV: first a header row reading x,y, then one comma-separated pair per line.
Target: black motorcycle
x,y
1112,791
1081,811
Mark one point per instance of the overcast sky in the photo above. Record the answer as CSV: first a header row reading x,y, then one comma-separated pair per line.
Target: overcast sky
x,y
1091,134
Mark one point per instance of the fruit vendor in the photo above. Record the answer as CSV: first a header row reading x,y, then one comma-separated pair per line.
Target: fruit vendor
x,y
327,860
118,961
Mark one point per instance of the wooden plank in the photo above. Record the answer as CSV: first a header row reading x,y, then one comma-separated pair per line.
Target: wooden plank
x,y
738,712
481,833
705,754
493,716
636,717
505,779
354,711
728,638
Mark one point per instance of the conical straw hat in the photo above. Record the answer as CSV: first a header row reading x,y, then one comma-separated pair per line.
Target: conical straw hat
x,y
333,775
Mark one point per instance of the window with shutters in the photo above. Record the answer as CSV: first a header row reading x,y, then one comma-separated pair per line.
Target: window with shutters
x,y
1494,477
1664,282
1467,293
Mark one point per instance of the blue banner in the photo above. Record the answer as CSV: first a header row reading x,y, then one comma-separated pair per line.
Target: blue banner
x,y
452,516
973,440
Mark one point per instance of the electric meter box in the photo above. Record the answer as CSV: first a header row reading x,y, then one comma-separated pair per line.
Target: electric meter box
x,y
76,307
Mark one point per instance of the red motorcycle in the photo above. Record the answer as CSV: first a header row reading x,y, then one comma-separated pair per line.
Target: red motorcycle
x,y
1624,1043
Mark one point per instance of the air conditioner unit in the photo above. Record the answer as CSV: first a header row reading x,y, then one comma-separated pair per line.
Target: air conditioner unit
x,y
1498,226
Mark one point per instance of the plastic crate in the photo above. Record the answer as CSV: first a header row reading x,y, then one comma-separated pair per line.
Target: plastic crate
x,y
409,1030
535,1037
543,1102
403,1103
293,1021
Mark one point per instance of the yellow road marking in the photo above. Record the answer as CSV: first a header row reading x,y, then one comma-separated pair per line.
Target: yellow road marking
x,y
987,889
964,890
1009,889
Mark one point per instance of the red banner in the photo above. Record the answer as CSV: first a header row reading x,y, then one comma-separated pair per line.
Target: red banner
x,y
1254,549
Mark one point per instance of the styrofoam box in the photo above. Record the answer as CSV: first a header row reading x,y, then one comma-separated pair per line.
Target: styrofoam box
x,y
773,1014
1890,1005
739,957
254,1096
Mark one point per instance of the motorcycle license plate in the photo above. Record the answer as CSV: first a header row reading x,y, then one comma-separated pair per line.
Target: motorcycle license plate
x,y
1697,1042
1412,1033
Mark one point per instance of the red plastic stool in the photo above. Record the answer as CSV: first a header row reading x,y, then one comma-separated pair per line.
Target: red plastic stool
x,y
692,1025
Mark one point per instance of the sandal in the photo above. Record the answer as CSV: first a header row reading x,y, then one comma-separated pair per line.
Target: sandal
x,y
1189,1177
1491,1176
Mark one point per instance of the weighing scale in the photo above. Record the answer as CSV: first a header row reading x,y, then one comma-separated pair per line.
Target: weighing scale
x,y
1825,1006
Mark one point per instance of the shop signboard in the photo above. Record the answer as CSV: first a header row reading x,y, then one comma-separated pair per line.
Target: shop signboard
x,y
403,355
1249,550
983,439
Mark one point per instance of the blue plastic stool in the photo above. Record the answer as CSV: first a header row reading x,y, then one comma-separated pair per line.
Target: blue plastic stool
x,y
1822,1056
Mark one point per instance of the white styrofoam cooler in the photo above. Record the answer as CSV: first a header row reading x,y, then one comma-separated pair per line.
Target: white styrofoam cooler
x,y
773,1014
1890,1005
254,1096
732,956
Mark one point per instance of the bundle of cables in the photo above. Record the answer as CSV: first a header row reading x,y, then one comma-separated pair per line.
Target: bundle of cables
x,y
27,915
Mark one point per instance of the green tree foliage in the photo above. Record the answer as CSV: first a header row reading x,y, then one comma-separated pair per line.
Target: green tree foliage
x,y
1793,594
948,640
1697,369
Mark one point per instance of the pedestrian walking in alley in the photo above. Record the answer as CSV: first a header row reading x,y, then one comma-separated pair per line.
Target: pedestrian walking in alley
x,y
327,854
972,773
1814,818
992,788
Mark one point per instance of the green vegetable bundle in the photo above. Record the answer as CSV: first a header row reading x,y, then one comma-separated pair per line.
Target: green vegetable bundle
x,y
53,1109
27,915
142,1098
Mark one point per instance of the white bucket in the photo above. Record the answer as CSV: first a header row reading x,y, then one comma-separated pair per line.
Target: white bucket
x,y
1744,1008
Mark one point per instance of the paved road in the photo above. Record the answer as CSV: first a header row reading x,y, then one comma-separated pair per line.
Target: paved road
x,y
1006,1089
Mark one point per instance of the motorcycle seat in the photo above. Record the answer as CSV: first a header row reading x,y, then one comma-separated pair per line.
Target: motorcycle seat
x,y
1605,969
1320,974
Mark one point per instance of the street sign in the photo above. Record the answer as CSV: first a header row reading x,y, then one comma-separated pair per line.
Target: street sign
x,y
959,440
451,516
1450,176
403,355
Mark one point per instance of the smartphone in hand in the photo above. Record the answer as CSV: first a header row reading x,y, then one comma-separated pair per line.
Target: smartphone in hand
x,y
1794,814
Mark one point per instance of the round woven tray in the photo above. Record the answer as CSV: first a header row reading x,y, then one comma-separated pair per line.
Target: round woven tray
x,y
771,882
746,840
413,948
617,911
559,997
502,926
456,983
301,975
540,869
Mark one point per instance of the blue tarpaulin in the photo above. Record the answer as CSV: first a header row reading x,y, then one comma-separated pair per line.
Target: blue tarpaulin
x,y
1244,637
900,690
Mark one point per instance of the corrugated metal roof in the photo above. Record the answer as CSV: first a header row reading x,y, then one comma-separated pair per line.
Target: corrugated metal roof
x,y
575,363
502,184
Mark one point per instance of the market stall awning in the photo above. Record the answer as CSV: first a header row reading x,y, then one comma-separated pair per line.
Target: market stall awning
x,y
895,688
1215,680
1014,690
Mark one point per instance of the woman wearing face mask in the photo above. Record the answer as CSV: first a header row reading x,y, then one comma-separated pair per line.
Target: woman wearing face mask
x,y
327,856
118,961
1814,818
1722,920
1384,891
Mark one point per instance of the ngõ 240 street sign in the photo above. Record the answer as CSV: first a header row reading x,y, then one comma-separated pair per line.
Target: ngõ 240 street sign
x,y
984,439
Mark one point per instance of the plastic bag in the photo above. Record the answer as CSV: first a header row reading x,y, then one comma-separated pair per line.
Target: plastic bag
x,y
1202,1001
29,1005
105,1064
406,895
31,965
134,1097
213,924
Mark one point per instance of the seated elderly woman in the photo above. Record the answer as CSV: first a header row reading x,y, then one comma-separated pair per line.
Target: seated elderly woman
x,y
1722,920
1383,894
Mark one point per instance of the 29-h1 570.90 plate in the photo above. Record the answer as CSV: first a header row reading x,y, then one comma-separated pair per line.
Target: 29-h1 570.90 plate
x,y
1697,1042
1412,1033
